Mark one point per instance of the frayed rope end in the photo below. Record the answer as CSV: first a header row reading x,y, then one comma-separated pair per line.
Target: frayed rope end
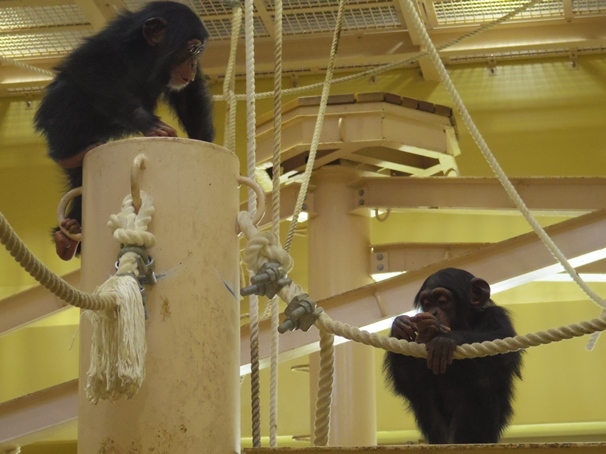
x,y
117,363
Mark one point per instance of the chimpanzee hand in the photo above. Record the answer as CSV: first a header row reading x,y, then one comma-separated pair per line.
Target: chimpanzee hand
x,y
440,353
428,327
150,125
161,129
403,327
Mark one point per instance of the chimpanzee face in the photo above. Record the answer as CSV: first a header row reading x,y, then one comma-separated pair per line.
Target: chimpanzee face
x,y
439,302
186,64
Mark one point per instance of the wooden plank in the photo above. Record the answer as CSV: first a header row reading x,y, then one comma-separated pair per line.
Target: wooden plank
x,y
22,418
32,304
557,194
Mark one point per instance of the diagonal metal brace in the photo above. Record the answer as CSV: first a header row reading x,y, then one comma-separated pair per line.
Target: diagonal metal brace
x,y
268,281
301,313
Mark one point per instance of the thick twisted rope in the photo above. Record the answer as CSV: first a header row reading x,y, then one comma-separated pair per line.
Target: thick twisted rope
x,y
264,247
118,347
130,228
475,350
115,309
268,249
275,222
230,80
251,161
324,398
99,302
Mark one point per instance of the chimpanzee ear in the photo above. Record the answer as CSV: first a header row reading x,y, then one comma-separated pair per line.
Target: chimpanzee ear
x,y
154,30
480,293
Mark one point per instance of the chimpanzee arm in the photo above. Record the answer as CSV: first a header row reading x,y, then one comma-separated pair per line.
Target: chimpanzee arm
x,y
193,107
404,373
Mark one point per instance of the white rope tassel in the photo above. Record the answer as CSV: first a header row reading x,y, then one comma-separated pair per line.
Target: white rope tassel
x,y
117,363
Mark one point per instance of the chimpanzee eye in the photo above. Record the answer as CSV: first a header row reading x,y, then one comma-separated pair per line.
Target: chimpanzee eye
x,y
196,50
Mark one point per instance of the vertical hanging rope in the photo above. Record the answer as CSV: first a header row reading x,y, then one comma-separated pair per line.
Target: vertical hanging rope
x,y
324,398
318,127
277,139
229,83
252,204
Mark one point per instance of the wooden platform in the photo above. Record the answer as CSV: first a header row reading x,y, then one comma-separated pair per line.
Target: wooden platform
x,y
506,448
381,133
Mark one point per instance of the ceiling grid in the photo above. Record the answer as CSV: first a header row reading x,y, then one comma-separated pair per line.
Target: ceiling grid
x,y
42,32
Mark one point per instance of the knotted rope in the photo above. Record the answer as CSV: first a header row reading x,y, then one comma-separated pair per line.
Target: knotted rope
x,y
115,308
264,247
118,348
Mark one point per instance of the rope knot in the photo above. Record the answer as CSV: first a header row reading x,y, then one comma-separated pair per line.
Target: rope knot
x,y
265,247
130,228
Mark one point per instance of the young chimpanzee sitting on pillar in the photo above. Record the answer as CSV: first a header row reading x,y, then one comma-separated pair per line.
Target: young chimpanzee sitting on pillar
x,y
468,400
109,87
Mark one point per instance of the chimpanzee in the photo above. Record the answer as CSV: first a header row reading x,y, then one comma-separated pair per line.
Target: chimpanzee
x,y
468,400
108,88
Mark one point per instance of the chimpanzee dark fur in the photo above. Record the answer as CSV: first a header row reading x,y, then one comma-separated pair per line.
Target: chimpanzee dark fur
x,y
109,87
472,401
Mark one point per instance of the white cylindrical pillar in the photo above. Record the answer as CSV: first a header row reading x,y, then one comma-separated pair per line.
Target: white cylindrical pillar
x,y
189,401
339,248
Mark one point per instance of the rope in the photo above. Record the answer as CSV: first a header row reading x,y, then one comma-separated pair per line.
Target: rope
x,y
396,64
318,127
27,67
275,222
14,245
115,309
130,228
264,247
494,165
324,399
475,350
230,81
251,161
325,323
118,348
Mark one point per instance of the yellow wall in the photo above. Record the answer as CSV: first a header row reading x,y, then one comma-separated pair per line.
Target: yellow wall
x,y
540,117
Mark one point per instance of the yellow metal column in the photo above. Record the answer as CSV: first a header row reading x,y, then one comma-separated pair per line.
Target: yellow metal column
x,y
189,401
339,245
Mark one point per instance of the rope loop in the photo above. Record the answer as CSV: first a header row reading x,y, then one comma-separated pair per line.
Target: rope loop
x,y
138,165
260,197
65,200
